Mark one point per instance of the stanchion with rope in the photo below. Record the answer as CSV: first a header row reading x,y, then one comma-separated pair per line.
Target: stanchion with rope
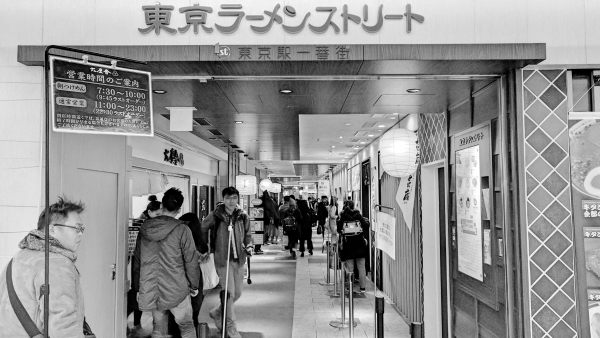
x,y
327,281
335,293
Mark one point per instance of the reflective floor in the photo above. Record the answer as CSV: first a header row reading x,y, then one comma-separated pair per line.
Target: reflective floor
x,y
285,300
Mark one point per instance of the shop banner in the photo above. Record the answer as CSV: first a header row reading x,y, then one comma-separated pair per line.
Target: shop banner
x,y
93,98
323,188
584,134
405,197
468,209
386,234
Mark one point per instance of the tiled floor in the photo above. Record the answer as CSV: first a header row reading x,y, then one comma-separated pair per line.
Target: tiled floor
x,y
286,301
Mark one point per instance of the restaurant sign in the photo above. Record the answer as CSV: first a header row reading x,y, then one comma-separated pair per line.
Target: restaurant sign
x,y
158,18
99,99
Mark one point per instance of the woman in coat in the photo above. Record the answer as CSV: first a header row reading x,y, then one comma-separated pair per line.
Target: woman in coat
x,y
305,227
354,247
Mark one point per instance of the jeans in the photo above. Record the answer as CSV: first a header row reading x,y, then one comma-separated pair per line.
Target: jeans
x,y
234,286
362,273
183,317
309,242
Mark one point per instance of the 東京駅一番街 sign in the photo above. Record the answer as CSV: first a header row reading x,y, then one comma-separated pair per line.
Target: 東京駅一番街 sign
x,y
99,99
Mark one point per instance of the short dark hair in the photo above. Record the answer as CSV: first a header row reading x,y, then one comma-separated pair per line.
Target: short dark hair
x,y
172,199
293,197
286,198
351,205
59,211
322,197
230,191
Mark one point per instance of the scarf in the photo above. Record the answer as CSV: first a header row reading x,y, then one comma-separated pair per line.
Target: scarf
x,y
35,241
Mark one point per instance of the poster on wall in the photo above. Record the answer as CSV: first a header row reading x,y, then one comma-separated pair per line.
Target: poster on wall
x,y
468,212
94,98
584,137
386,234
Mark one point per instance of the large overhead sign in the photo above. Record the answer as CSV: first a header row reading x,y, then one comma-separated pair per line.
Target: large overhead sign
x,y
158,18
93,98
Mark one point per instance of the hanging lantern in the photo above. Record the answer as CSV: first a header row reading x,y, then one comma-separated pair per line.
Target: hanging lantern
x,y
275,188
265,184
399,152
246,184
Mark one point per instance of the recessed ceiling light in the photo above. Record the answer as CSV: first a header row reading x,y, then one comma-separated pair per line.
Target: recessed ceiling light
x,y
239,122
380,126
362,143
371,135
341,137
286,91
379,130
343,131
413,90
346,124
159,91
332,146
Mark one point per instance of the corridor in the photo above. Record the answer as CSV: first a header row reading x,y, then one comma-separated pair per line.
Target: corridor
x,y
285,300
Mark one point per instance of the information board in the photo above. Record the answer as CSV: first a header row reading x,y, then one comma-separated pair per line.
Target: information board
x,y
99,99
468,212
584,135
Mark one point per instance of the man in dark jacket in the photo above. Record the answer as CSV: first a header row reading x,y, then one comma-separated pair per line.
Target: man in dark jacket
x,y
305,228
165,268
218,223
290,209
322,213
354,247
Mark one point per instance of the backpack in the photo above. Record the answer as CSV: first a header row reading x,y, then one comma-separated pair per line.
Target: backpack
x,y
352,228
289,223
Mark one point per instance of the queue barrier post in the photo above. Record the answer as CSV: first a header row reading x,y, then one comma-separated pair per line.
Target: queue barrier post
x,y
379,309
327,281
351,324
335,292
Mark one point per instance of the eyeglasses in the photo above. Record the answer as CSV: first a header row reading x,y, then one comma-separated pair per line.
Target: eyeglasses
x,y
80,229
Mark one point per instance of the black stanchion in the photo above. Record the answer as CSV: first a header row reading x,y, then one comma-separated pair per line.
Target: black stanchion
x,y
327,281
379,309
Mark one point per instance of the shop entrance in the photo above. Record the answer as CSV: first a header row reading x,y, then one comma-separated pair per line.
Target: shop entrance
x,y
309,111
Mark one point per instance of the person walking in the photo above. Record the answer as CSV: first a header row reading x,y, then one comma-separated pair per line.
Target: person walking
x,y
25,273
291,218
353,245
218,222
322,213
166,270
332,218
305,228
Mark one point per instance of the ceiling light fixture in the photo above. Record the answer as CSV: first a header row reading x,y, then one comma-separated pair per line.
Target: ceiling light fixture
x,y
341,137
413,90
239,122
346,124
362,143
332,146
159,91
285,91
370,135
381,126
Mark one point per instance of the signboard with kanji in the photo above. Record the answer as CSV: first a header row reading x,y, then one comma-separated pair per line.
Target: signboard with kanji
x,y
93,98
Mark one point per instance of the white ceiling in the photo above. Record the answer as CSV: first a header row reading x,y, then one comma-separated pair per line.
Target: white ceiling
x,y
325,137
278,168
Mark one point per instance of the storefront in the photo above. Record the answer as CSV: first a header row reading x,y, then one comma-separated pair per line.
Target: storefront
x,y
531,279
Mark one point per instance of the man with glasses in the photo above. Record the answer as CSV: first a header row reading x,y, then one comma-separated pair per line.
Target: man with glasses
x,y
27,270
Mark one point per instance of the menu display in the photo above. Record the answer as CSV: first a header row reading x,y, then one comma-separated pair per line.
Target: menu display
x,y
99,99
584,135
468,212
257,222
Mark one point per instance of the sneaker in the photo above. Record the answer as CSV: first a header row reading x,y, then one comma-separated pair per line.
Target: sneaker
x,y
310,252
215,314
302,254
232,332
362,290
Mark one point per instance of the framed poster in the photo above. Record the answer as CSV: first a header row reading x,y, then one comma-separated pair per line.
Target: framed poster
x,y
257,213
88,97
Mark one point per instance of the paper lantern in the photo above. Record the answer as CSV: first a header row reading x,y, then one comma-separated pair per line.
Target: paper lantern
x,y
246,184
399,152
275,188
265,184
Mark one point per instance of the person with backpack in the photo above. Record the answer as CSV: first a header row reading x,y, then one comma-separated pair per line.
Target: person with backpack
x,y
353,242
291,218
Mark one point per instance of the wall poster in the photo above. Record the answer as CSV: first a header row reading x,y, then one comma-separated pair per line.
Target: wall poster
x,y
468,212
584,136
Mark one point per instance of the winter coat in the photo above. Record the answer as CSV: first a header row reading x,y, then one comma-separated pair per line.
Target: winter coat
x,y
322,213
165,263
353,246
305,224
66,297
216,223
332,222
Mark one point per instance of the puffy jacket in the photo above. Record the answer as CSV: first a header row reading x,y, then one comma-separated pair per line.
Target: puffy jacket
x,y
66,298
165,263
353,246
216,223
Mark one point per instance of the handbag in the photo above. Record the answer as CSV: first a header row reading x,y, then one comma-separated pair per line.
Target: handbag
x,y
22,314
210,279
319,229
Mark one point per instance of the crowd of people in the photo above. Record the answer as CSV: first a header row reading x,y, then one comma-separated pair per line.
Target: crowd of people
x,y
166,276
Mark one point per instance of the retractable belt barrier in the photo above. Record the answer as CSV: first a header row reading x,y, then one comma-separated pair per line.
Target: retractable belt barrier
x,y
327,281
343,323
335,293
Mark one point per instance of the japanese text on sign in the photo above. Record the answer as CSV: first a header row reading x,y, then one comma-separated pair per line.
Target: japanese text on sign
x,y
158,17
591,208
88,97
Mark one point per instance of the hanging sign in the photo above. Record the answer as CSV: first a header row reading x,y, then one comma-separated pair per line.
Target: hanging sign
x,y
323,188
405,197
245,184
386,234
93,98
